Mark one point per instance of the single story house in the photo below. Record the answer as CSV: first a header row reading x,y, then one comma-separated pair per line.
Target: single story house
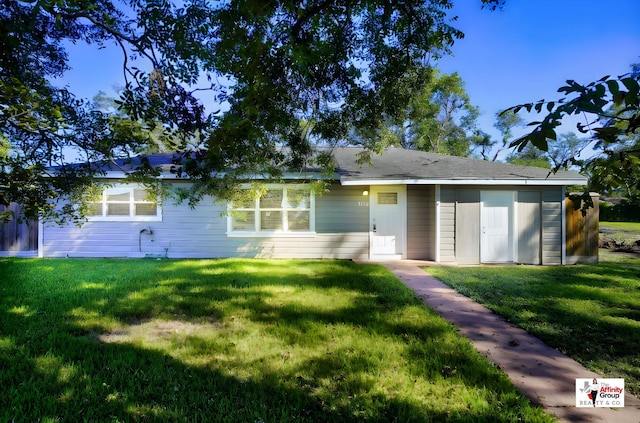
x,y
405,205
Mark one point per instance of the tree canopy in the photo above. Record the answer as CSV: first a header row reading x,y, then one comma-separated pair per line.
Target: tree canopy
x,y
558,155
611,109
341,66
439,118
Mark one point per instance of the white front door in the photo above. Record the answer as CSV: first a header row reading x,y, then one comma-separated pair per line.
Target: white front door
x,y
496,245
387,209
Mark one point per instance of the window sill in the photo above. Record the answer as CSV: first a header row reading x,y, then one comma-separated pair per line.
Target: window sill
x,y
270,234
124,218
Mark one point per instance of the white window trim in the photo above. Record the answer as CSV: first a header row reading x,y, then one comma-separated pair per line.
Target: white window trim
x,y
129,218
257,233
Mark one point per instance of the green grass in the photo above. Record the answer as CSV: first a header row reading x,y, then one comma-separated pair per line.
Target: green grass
x,y
589,312
628,226
627,232
234,340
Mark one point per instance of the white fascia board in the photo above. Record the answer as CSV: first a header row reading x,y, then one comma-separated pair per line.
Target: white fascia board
x,y
116,174
169,176
295,176
549,182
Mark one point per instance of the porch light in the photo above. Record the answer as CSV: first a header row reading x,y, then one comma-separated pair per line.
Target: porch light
x,y
365,192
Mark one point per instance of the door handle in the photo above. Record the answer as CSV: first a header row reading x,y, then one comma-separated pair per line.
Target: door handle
x,y
375,228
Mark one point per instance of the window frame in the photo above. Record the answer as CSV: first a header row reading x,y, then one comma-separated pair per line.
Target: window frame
x,y
131,217
285,232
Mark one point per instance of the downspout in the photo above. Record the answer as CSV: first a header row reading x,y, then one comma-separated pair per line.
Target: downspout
x,y
40,239
437,234
563,229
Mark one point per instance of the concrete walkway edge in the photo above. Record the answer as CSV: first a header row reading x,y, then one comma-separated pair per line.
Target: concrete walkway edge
x,y
542,373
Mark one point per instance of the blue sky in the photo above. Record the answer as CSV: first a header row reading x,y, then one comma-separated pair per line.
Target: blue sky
x,y
528,50
521,54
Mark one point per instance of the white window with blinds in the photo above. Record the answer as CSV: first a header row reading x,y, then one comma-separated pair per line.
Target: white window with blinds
x,y
124,203
283,210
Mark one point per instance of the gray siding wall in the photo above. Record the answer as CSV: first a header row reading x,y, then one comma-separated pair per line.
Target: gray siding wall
x,y
447,224
552,226
540,225
421,222
460,224
342,217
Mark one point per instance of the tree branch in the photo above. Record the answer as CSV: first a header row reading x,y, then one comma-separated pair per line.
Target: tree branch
x,y
308,14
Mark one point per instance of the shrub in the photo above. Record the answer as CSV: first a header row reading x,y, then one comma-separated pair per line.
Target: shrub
x,y
627,210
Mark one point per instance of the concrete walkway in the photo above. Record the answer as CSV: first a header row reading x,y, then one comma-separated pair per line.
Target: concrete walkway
x,y
542,373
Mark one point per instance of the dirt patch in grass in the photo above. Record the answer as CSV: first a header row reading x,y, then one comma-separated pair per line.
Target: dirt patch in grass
x,y
155,330
618,242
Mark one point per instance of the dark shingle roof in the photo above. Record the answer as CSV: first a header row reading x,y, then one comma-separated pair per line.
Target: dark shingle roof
x,y
398,165
409,166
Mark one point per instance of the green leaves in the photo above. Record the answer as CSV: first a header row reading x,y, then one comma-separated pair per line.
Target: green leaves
x,y
438,118
595,99
611,111
345,66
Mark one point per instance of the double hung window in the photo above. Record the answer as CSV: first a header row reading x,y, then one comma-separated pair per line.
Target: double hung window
x,y
281,210
124,203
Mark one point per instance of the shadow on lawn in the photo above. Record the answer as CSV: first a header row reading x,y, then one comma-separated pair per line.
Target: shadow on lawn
x,y
589,312
52,364
136,384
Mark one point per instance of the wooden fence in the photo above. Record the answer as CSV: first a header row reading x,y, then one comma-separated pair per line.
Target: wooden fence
x,y
582,231
18,238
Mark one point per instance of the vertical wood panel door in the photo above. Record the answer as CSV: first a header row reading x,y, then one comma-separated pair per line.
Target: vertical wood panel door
x,y
496,237
387,205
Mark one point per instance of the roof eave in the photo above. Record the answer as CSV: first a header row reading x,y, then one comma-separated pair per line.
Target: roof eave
x,y
495,182
173,176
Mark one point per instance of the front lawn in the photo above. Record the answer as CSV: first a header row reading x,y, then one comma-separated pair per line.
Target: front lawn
x,y
234,340
589,312
625,226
